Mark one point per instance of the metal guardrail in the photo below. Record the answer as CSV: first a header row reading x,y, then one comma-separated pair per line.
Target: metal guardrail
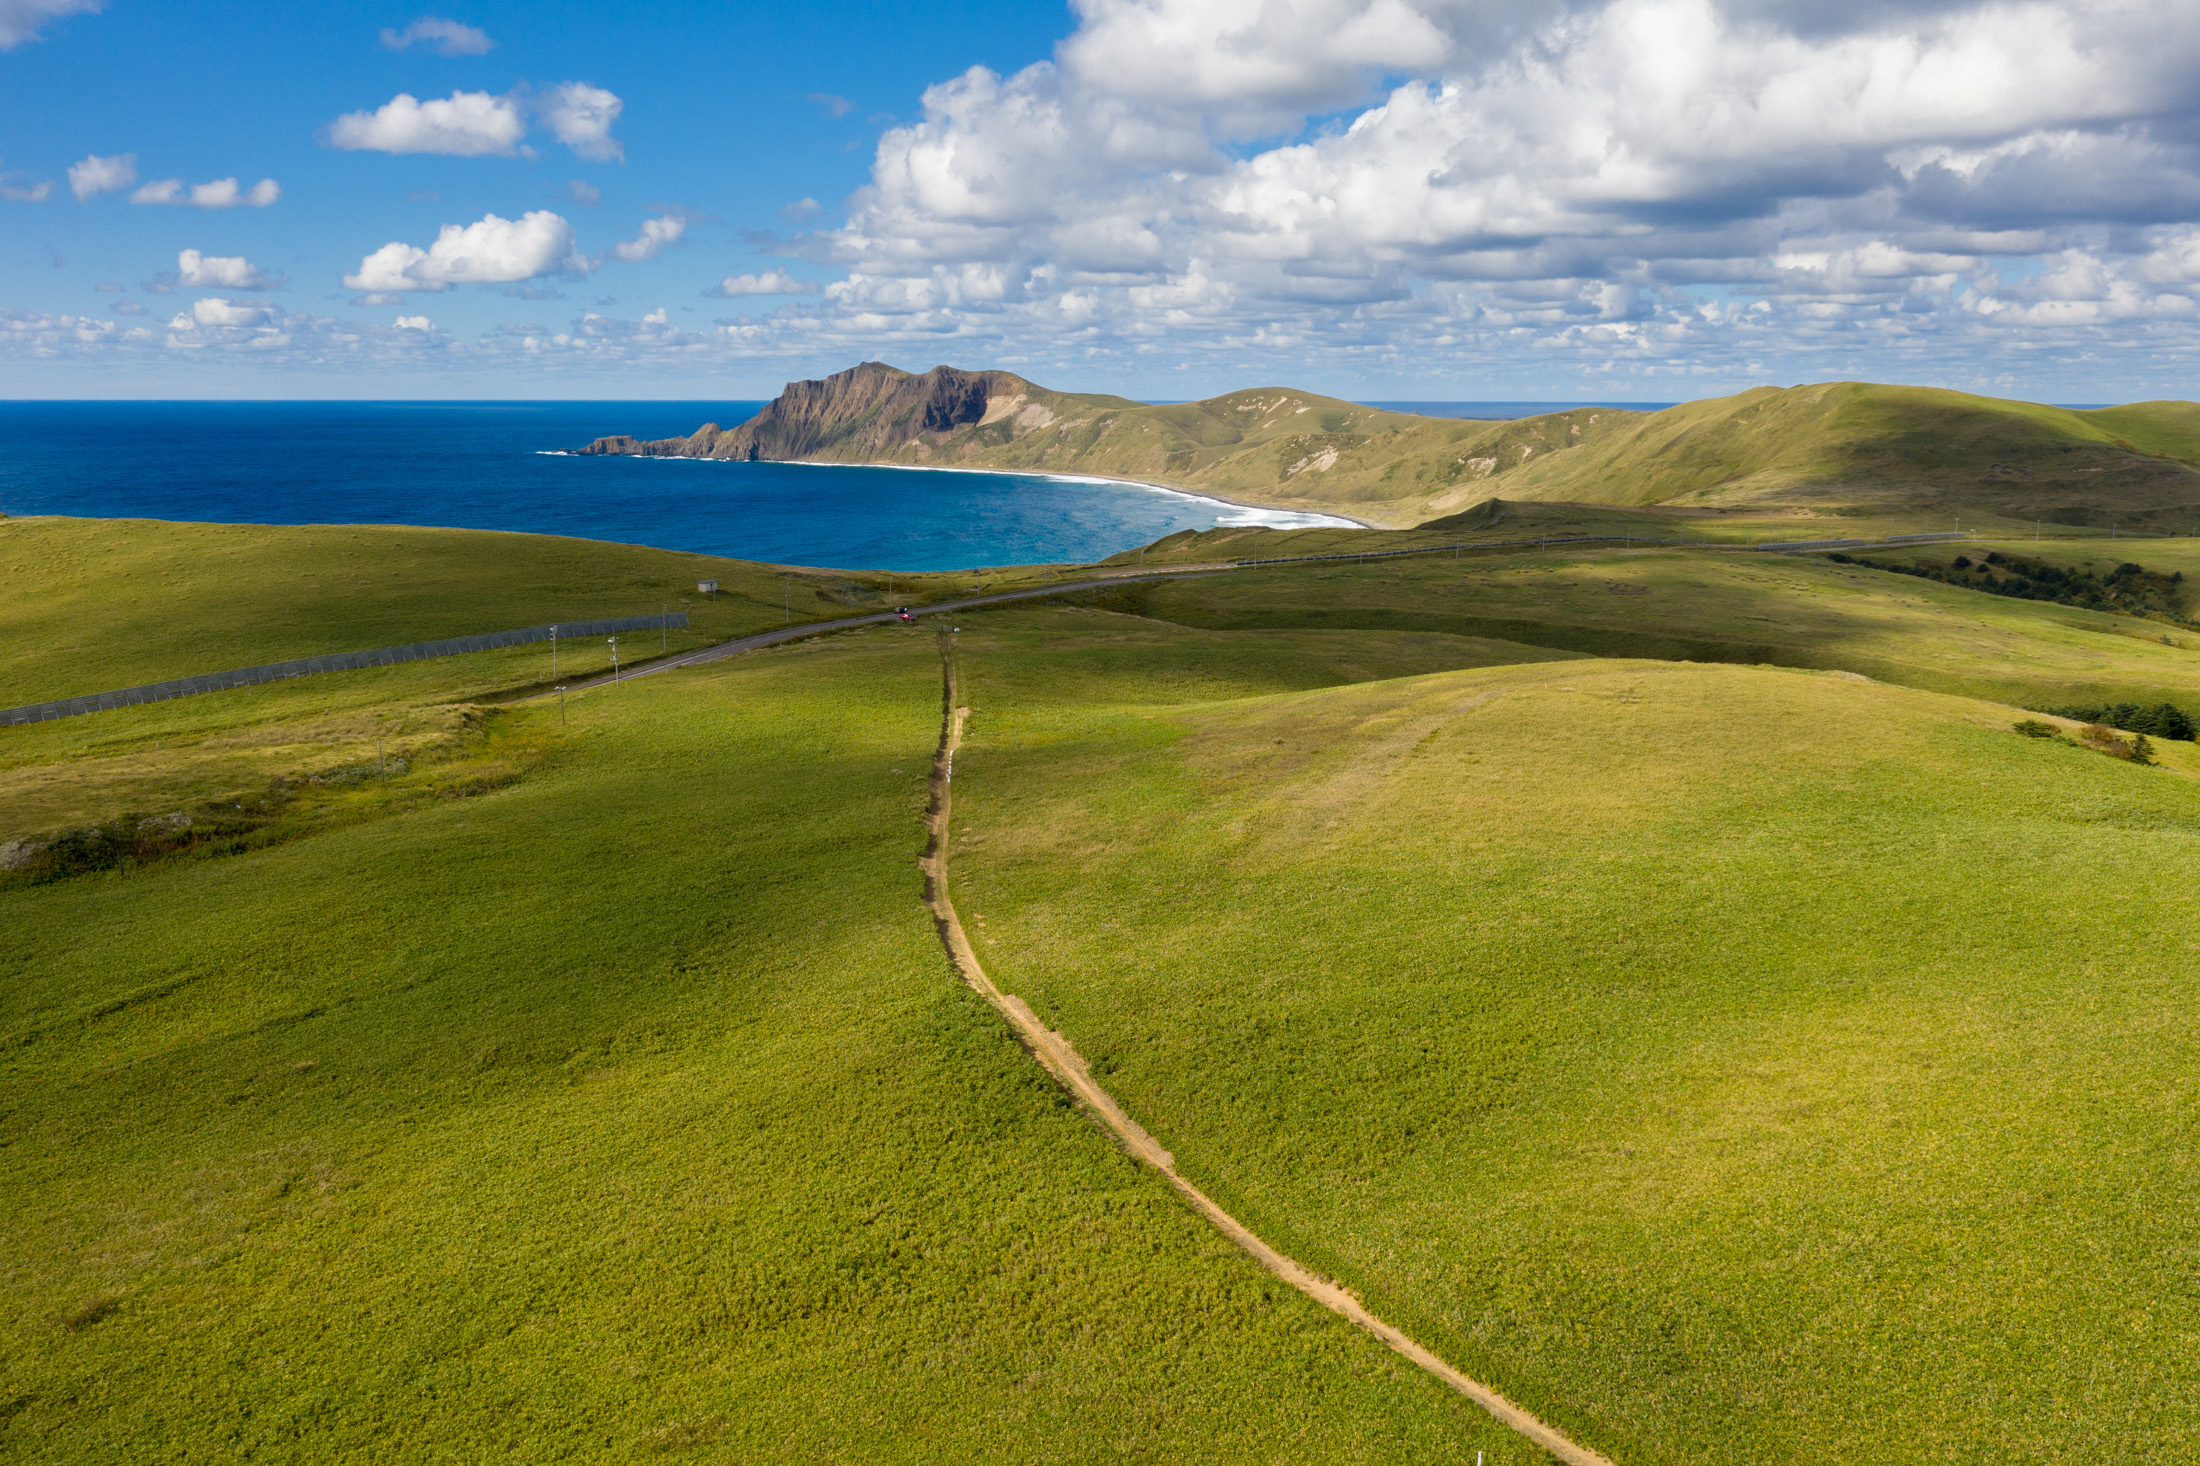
x,y
98,702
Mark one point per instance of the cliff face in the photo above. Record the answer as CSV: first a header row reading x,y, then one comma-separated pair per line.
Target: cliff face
x,y
1269,446
1832,446
870,412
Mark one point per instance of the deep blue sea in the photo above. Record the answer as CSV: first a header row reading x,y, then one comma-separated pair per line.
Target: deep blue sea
x,y
497,465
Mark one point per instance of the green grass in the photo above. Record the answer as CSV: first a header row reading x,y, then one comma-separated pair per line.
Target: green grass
x,y
1832,448
108,603
630,1110
1797,611
1505,522
103,604
1874,448
1730,1063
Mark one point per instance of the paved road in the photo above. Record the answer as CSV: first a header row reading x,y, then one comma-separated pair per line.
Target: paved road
x,y
877,618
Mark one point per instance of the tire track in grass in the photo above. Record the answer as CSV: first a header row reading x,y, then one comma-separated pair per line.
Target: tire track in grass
x,y
1060,1058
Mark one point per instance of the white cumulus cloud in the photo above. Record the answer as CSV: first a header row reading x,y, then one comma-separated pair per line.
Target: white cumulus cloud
x,y
20,19
1606,198
771,282
581,116
1656,181
222,193
657,236
462,125
97,175
480,125
214,311
415,323
492,251
447,37
195,271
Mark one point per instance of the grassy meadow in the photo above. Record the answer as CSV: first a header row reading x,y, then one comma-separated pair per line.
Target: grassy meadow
x,y
1661,981
1729,1063
1861,449
101,604
1503,522
1684,605
625,1111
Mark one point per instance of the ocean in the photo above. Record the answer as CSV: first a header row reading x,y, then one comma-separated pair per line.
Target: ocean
x,y
501,465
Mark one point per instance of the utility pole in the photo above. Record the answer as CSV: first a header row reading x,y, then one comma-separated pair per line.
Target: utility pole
x,y
561,705
553,654
614,657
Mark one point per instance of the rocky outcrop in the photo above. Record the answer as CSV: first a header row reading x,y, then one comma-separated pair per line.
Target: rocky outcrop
x,y
867,412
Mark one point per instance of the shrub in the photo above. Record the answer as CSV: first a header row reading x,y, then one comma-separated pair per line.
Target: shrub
x,y
2034,728
2103,739
2163,720
2129,589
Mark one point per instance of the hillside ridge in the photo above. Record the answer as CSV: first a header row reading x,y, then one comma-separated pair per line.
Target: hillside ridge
x,y
1844,449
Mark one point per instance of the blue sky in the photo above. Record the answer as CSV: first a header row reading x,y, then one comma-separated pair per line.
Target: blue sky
x,y
1632,199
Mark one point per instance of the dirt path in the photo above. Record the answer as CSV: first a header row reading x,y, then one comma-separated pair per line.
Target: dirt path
x,y
1061,1059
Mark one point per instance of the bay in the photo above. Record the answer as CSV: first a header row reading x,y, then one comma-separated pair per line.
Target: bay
x,y
502,465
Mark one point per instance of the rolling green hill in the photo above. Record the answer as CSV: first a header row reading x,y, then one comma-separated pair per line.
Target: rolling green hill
x,y
1717,606
94,605
1842,448
1662,980
1730,1064
1268,445
623,1112
1864,448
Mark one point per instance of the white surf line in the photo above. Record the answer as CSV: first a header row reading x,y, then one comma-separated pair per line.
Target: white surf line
x,y
1264,516
1306,518
1060,1058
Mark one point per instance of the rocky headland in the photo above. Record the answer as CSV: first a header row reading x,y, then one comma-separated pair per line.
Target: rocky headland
x,y
1839,448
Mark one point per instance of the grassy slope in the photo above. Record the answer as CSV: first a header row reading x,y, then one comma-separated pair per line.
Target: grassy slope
x,y
1795,612
1684,605
1854,447
627,1111
1735,1064
1870,447
1272,445
100,604
570,1032
114,603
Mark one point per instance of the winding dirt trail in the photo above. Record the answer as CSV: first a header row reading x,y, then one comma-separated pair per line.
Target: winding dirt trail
x,y
1060,1059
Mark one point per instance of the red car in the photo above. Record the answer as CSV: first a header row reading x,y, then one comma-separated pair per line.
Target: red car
x,y
903,613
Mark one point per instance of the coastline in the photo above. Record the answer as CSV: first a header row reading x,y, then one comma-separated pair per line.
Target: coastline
x,y
1345,521
1341,521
